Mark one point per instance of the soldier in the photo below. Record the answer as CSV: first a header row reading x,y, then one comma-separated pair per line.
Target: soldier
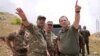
x,y
81,42
37,43
86,35
18,42
50,38
69,45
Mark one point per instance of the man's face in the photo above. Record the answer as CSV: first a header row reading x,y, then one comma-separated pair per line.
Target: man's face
x,y
49,27
63,21
84,27
40,23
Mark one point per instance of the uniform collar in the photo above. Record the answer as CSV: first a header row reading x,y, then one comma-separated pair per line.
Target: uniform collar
x,y
64,29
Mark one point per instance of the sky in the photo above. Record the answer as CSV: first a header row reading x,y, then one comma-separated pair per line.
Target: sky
x,y
53,9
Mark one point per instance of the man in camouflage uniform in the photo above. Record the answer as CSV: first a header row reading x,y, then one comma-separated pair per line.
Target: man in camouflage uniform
x,y
50,37
81,42
37,43
18,42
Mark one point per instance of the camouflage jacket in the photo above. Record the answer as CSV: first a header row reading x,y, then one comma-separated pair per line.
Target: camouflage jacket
x,y
50,37
18,41
37,43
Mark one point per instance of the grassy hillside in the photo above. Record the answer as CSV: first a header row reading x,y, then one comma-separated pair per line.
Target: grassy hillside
x,y
5,23
95,43
5,28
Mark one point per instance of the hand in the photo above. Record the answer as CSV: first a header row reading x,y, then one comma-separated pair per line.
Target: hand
x,y
21,14
47,53
13,50
77,7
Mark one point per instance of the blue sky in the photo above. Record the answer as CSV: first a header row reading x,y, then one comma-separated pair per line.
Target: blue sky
x,y
53,9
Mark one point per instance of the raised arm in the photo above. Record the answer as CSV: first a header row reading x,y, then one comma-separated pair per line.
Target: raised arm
x,y
77,15
22,16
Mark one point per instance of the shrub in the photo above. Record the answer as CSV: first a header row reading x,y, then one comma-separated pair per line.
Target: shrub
x,y
16,21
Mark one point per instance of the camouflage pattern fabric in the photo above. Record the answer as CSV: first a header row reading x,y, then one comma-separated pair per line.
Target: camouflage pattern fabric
x,y
50,37
37,44
20,43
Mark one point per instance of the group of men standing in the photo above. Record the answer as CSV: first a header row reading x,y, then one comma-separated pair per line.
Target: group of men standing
x,y
84,40
39,40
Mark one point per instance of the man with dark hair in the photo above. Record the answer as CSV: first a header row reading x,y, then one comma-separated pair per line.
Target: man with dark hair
x,y
81,41
37,43
86,35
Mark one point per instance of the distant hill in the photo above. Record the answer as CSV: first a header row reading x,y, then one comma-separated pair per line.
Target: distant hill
x,y
97,34
5,23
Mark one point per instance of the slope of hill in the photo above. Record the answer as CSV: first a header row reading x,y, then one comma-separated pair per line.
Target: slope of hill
x,y
95,43
5,23
5,28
